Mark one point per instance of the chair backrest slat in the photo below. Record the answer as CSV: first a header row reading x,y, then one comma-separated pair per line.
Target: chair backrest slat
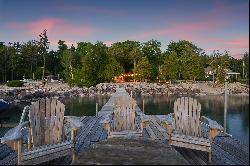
x,y
47,116
187,116
124,113
42,111
46,120
52,120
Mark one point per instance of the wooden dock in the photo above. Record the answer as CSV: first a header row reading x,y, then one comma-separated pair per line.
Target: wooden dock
x,y
225,150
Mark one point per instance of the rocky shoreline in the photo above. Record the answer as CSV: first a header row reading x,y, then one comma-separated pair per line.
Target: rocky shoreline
x,y
35,90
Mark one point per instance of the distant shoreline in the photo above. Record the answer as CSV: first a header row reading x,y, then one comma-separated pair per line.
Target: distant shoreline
x,y
33,91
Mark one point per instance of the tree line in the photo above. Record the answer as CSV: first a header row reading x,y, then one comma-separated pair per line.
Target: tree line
x,y
88,64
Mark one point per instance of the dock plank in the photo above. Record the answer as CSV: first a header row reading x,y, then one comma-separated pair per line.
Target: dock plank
x,y
232,149
97,130
156,131
225,156
84,132
150,132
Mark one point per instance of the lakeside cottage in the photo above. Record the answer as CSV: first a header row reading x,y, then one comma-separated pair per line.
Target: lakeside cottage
x,y
210,73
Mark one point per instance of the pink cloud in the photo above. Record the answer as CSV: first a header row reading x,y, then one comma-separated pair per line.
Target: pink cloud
x,y
36,27
236,47
238,55
57,28
54,26
238,43
74,30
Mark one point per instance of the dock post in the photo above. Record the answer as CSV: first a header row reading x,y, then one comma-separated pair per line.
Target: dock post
x,y
225,108
96,109
143,105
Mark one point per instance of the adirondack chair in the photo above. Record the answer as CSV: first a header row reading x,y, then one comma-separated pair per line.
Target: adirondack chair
x,y
186,131
46,137
123,118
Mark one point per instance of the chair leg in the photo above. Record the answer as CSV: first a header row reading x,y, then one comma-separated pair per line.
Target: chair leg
x,y
210,157
106,126
73,134
73,157
169,140
19,152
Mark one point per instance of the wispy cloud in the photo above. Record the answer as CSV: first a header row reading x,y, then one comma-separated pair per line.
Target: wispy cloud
x,y
238,43
57,29
180,30
237,55
55,26
35,27
226,44
236,46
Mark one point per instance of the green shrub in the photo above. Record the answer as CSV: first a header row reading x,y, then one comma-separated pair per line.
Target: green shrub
x,y
14,83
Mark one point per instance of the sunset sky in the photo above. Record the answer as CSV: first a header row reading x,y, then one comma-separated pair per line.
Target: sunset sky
x,y
210,24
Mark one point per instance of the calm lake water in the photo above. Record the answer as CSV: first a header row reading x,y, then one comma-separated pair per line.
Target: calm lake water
x,y
212,107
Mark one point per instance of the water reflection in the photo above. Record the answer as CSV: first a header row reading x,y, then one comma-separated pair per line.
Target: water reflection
x,y
12,114
84,106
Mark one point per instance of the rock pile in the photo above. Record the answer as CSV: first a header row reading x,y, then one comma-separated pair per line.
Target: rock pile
x,y
36,90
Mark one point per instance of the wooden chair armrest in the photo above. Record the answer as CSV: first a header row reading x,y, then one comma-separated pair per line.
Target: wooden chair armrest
x,y
214,128
211,123
14,137
15,133
75,122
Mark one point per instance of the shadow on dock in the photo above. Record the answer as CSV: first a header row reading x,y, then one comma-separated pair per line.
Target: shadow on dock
x,y
122,151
